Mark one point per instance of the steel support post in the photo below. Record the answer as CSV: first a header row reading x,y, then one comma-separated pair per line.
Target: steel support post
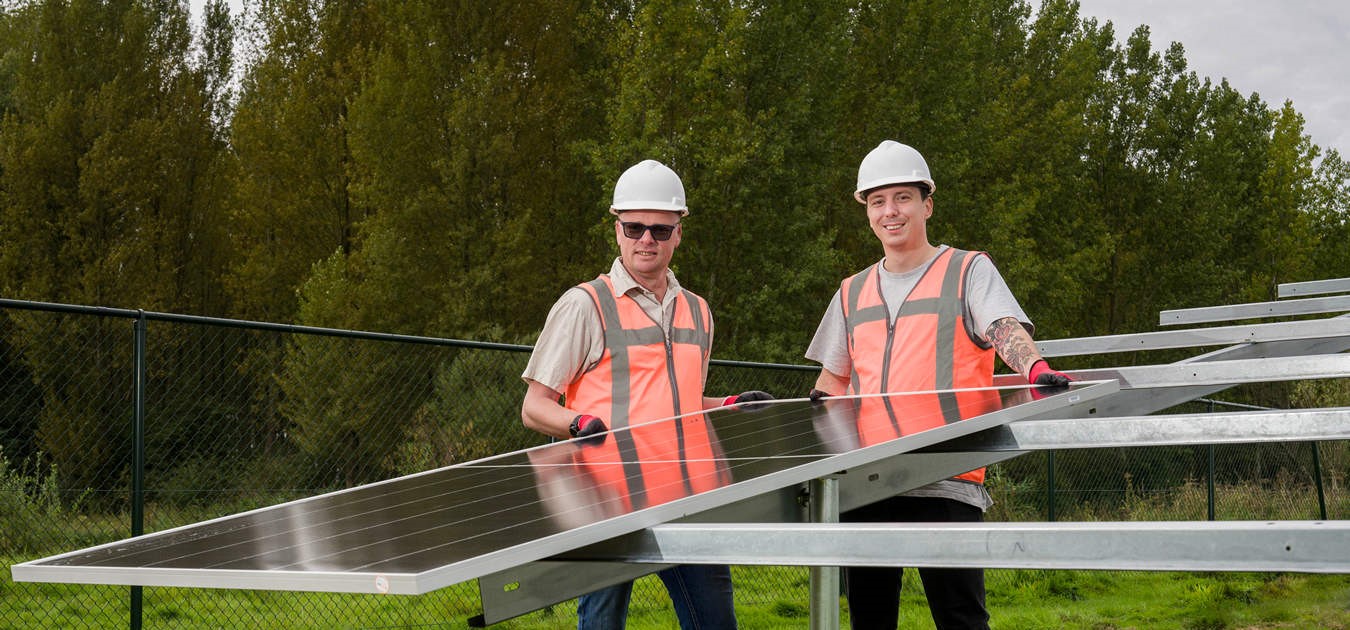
x,y
824,580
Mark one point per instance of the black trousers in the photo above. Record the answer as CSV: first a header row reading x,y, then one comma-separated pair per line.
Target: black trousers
x,y
955,596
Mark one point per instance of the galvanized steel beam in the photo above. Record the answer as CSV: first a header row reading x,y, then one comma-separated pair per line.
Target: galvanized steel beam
x,y
1298,546
1303,425
1154,388
1196,337
824,580
1315,287
1255,310
1223,372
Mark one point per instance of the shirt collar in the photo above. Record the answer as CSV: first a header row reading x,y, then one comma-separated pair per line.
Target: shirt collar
x,y
624,282
881,265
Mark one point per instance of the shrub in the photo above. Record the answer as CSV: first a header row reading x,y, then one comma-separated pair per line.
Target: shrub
x,y
30,503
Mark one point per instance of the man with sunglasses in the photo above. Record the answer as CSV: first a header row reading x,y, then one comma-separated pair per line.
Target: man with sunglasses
x,y
631,347
923,318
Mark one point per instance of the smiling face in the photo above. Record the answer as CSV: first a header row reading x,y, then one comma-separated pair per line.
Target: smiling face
x,y
646,258
899,217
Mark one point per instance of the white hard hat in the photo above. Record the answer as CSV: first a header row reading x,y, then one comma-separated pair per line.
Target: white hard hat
x,y
892,163
649,185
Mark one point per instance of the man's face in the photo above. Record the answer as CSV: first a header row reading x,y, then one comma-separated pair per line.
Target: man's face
x,y
644,255
899,216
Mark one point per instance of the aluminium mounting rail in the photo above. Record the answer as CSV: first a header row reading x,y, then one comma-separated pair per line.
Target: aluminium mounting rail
x,y
1255,310
1296,546
1314,287
1196,337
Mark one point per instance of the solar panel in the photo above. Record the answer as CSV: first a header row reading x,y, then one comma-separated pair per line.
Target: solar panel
x,y
425,531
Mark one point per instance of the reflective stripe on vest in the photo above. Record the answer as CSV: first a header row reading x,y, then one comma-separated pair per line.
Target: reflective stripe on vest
x,y
643,376
927,346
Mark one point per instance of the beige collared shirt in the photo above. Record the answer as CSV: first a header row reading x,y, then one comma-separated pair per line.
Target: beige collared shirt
x,y
573,339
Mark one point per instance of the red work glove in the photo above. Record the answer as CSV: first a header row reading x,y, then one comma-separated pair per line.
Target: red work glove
x,y
748,397
1041,374
585,425
1051,381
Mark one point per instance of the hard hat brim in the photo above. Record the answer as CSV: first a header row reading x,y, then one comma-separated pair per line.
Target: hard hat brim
x,y
657,207
863,190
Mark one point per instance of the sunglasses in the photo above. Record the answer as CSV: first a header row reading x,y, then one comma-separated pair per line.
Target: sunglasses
x,y
660,231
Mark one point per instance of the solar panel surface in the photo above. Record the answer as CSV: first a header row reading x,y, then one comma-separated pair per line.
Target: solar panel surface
x,y
467,520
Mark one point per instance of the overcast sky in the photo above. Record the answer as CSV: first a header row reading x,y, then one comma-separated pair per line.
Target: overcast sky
x,y
1297,50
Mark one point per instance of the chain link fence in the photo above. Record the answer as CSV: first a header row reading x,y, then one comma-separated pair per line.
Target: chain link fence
x,y
241,415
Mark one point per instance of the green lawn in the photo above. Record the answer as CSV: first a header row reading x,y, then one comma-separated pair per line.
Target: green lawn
x,y
1116,600
767,597
1135,599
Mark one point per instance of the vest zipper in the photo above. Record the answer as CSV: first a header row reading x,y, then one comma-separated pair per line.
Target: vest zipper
x,y
670,371
886,366
675,395
886,357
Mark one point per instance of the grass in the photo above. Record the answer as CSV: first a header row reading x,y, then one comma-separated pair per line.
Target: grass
x,y
1181,601
767,597
1036,600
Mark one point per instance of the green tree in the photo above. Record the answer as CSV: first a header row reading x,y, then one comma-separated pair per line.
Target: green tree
x,y
1117,186
1329,207
463,147
294,205
1020,192
1283,225
1231,159
765,173
478,189
110,187
735,102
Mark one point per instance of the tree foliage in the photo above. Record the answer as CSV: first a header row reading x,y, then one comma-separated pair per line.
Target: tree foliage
x,y
443,168
111,182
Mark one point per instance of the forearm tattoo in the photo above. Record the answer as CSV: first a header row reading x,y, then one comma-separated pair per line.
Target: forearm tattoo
x,y
1011,341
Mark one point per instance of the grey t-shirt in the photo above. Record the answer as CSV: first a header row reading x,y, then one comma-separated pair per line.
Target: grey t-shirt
x,y
988,300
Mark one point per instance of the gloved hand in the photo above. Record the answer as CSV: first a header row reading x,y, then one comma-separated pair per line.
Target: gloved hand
x,y
585,425
817,395
1051,382
748,397
1041,374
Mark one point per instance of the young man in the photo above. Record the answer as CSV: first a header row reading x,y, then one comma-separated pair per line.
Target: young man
x,y
924,318
629,347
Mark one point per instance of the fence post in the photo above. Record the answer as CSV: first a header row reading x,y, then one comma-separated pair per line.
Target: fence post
x,y
138,455
1209,476
1317,479
1050,485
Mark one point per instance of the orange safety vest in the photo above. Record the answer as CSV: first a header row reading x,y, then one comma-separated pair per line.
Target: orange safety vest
x,y
925,347
644,376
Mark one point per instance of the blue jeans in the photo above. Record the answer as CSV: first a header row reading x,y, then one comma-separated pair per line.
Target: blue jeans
x,y
701,594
